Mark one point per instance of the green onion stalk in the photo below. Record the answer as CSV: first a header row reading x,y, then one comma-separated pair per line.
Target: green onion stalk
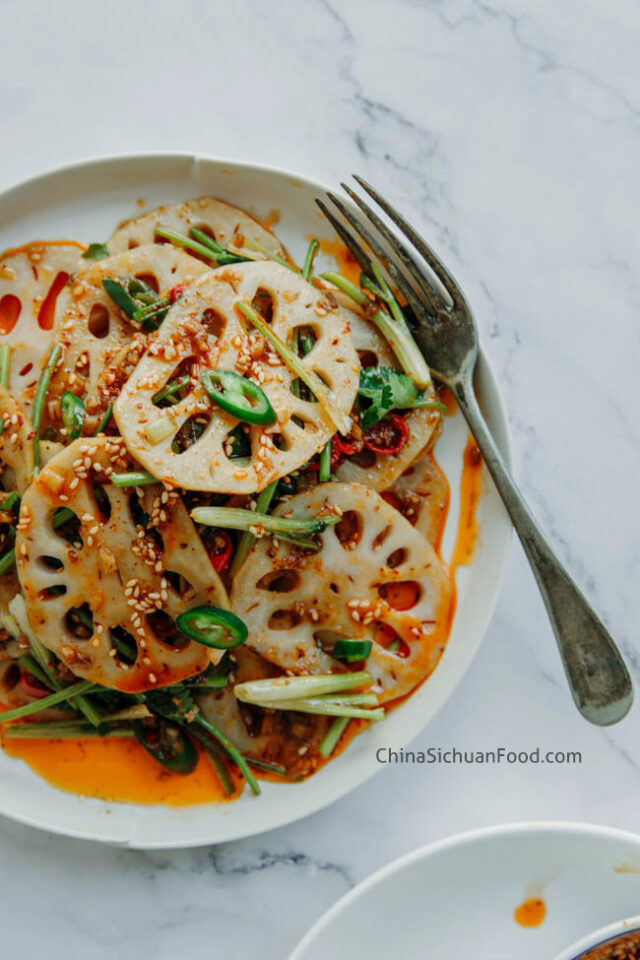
x,y
295,531
392,325
39,402
5,364
247,539
333,736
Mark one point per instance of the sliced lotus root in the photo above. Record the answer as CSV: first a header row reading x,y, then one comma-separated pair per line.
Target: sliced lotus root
x,y
421,495
16,444
107,567
380,470
31,280
374,578
290,740
228,225
16,466
97,337
203,329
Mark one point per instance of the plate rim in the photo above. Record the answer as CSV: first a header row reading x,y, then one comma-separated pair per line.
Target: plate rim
x,y
513,830
317,801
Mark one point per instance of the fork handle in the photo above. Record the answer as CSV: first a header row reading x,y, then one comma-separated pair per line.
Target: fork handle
x,y
597,674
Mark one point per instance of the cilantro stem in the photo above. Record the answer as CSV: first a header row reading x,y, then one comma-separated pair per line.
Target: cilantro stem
x,y
307,269
28,663
258,248
61,731
232,751
217,761
39,401
60,696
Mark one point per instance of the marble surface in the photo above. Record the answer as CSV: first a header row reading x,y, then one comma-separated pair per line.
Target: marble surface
x,y
510,130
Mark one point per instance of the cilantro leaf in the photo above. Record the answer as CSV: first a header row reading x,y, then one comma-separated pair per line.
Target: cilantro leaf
x,y
387,389
96,251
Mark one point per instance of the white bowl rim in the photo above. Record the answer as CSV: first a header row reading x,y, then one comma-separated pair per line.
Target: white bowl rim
x,y
319,800
601,937
501,831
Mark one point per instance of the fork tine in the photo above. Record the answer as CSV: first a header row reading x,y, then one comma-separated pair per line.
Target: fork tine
x,y
417,304
349,241
419,243
422,284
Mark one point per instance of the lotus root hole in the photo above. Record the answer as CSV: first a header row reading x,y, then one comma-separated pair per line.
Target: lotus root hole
x,y
77,621
327,639
165,630
124,645
299,389
50,593
263,303
366,459
50,563
150,279
401,594
284,620
10,677
99,321
191,431
396,558
10,307
380,538
349,529
178,583
367,358
69,530
213,322
205,228
280,581
385,636
47,311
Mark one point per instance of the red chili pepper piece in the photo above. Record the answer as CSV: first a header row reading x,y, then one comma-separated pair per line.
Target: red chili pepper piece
x,y
388,435
176,292
31,686
220,552
348,446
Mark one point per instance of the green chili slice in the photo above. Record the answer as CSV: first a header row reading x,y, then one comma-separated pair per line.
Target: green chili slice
x,y
212,627
7,560
116,292
241,397
168,745
352,651
72,410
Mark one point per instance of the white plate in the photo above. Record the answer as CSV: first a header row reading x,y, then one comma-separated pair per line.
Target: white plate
x,y
85,202
456,898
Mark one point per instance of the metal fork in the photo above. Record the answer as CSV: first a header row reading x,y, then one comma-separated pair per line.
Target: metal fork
x,y
444,328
